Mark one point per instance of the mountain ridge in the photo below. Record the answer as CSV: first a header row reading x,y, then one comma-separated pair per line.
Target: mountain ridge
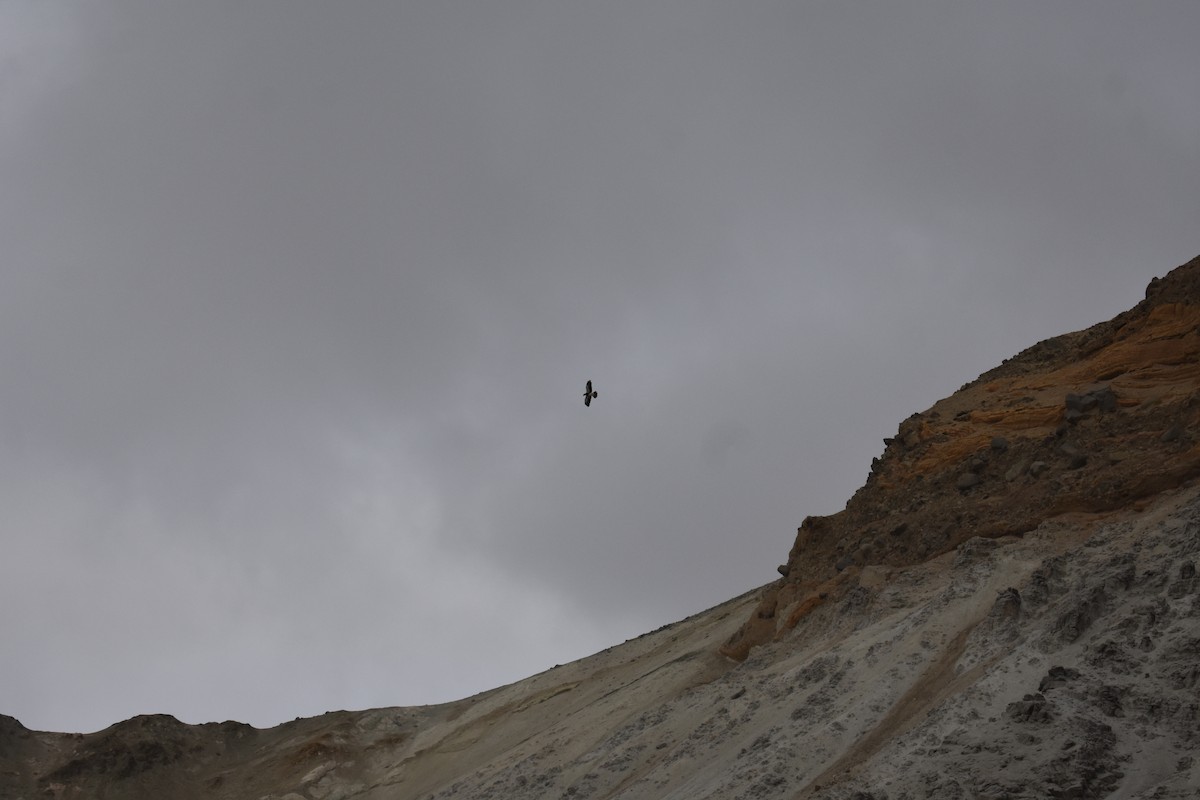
x,y
1008,608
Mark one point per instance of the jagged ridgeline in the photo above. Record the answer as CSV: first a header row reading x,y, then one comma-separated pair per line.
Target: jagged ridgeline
x,y
1088,421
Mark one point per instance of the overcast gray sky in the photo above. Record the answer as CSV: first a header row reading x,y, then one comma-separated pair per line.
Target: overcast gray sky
x,y
297,302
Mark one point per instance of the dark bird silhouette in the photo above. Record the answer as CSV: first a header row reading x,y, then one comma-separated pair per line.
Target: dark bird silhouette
x,y
588,394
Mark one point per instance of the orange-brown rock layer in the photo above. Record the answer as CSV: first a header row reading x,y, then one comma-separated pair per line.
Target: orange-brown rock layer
x,y
1088,421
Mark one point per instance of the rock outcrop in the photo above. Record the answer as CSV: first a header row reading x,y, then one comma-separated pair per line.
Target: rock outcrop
x,y
1085,422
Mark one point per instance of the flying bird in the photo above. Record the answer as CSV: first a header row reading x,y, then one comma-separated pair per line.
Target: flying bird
x,y
588,394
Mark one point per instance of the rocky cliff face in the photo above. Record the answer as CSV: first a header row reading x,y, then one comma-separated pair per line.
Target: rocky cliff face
x,y
1088,421
1009,608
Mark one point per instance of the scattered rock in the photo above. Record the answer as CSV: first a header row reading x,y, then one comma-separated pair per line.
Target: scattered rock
x,y
1103,398
1007,607
1056,677
1108,700
968,480
1106,399
1186,583
1034,709
1076,458
1016,471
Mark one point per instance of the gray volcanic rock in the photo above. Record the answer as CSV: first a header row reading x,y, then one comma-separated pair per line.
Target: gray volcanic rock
x,y
1034,634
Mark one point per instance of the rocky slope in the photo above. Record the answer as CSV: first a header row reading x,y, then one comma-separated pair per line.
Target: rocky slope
x,y
1009,608
1089,421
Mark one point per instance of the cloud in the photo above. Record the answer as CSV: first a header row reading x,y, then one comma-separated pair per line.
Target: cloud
x,y
37,62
